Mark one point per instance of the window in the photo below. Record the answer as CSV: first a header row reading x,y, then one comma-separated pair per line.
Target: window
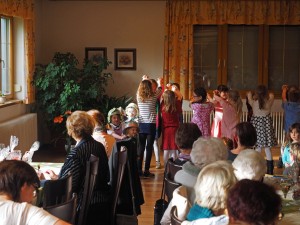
x,y
243,56
5,56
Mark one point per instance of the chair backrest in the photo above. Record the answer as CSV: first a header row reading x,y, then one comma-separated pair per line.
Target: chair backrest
x,y
172,169
65,211
89,184
170,186
122,159
57,191
174,217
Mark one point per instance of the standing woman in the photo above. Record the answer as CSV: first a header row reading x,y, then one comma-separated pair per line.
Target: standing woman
x,y
261,104
146,99
80,126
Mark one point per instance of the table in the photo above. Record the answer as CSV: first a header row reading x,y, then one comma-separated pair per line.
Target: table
x,y
290,207
44,166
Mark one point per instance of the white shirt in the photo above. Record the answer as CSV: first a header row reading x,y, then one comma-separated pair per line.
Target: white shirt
x,y
14,213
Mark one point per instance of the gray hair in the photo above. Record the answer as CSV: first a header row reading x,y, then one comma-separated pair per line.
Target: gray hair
x,y
249,164
207,150
212,185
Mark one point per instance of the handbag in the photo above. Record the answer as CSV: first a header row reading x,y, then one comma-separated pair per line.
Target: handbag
x,y
160,205
123,219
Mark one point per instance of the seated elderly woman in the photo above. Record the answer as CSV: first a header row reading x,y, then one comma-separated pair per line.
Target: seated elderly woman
x,y
18,185
80,126
204,151
245,138
249,164
211,189
253,202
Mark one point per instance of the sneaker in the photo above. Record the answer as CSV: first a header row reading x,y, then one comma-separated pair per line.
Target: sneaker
x,y
148,174
157,165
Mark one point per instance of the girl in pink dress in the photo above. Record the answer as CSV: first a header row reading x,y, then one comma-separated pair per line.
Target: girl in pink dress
x,y
201,110
170,110
232,111
216,125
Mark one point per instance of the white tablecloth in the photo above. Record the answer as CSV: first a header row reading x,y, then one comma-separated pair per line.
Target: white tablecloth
x,y
44,166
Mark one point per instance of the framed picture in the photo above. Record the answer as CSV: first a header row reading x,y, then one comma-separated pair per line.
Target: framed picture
x,y
125,59
95,54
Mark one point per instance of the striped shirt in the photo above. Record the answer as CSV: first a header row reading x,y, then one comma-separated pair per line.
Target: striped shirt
x,y
147,108
76,164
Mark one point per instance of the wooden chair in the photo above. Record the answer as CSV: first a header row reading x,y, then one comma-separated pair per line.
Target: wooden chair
x,y
89,184
65,211
122,159
172,168
170,186
174,217
57,191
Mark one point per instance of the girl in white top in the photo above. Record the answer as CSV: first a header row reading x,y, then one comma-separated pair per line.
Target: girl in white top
x,y
261,103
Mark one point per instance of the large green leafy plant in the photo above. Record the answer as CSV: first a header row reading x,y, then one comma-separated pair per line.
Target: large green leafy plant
x,y
62,87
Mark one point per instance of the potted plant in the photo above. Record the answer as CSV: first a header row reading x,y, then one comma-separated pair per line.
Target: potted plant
x,y
2,98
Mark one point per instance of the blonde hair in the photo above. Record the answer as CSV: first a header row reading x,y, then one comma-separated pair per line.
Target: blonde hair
x,y
212,185
169,99
80,124
144,91
235,98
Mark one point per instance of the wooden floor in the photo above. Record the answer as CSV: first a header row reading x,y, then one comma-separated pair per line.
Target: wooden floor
x,y
151,186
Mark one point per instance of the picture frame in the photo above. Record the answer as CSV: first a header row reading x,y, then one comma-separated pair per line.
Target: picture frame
x,y
95,54
125,59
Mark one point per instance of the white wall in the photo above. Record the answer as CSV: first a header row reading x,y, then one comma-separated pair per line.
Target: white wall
x,y
73,25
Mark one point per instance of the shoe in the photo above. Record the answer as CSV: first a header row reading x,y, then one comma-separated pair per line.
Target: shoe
x,y
147,174
157,165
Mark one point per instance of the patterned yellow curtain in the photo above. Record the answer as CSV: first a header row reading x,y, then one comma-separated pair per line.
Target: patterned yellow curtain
x,y
25,10
181,15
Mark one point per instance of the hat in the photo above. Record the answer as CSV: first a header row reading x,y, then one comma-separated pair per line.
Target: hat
x,y
113,111
134,106
130,125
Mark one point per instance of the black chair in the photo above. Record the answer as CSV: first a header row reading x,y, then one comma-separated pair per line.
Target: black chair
x,y
65,211
172,168
57,191
89,184
174,217
170,186
122,159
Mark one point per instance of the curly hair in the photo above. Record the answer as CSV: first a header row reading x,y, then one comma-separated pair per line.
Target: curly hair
x,y
80,124
253,202
145,90
186,135
169,100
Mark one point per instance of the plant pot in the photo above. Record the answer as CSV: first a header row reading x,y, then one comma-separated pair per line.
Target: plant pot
x,y
2,99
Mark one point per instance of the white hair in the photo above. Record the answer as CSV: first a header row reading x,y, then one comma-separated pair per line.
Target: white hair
x,y
206,150
212,185
249,164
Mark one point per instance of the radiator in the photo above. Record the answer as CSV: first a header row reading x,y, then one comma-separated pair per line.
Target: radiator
x,y
24,127
277,118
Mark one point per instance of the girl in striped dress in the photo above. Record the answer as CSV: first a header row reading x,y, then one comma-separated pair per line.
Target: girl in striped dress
x,y
261,104
146,100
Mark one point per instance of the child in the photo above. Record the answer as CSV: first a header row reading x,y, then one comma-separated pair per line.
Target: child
x,y
294,137
131,129
201,110
170,109
261,104
232,111
216,125
146,100
100,133
291,106
132,112
175,87
114,126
